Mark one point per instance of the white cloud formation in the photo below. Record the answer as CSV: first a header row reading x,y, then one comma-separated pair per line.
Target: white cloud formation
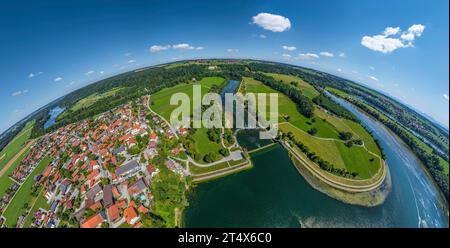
x,y
199,48
32,75
389,41
285,55
183,46
58,79
158,48
373,78
19,92
308,56
372,68
274,23
391,31
446,97
289,48
231,50
342,55
101,72
339,69
89,73
131,61
327,54
262,36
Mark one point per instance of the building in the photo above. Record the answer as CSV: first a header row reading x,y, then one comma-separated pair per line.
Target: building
x,y
128,169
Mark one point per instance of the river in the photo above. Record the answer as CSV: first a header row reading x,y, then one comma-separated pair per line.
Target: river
x,y
274,194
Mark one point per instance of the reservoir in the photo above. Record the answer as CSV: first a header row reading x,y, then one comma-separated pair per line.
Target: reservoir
x,y
54,112
274,194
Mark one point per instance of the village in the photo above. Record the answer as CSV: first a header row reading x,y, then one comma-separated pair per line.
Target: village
x,y
100,170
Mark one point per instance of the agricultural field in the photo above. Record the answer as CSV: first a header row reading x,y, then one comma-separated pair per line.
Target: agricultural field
x,y
23,195
15,145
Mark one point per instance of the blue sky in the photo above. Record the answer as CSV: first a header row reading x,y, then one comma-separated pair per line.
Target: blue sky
x,y
50,48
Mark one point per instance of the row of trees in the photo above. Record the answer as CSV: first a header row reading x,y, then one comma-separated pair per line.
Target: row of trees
x,y
327,103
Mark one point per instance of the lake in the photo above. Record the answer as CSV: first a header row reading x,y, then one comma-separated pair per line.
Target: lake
x,y
54,112
274,194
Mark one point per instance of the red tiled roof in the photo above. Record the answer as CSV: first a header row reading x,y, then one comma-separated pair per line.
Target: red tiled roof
x,y
92,222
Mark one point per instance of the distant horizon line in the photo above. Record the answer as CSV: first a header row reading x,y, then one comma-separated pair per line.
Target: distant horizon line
x,y
107,76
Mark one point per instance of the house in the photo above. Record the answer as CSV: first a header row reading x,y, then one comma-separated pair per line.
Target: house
x,y
120,150
94,192
113,212
150,153
128,169
153,137
107,195
130,215
182,131
93,222
138,187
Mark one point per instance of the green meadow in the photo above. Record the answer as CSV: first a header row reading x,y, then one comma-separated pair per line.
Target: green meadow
x,y
23,195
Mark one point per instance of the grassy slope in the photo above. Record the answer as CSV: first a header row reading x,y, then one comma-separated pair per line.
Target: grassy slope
x,y
16,144
422,144
88,101
15,208
353,159
41,202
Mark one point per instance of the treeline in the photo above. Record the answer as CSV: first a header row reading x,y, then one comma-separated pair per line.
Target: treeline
x,y
10,134
431,161
327,103
323,164
304,104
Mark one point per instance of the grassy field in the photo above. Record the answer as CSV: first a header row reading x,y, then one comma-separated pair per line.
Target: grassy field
x,y
161,105
161,100
88,101
354,159
422,144
40,202
306,89
16,206
5,182
288,107
16,144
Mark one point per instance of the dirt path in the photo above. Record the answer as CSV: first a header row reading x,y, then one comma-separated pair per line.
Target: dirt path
x,y
13,159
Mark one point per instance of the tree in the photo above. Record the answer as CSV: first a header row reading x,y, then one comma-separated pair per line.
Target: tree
x,y
312,131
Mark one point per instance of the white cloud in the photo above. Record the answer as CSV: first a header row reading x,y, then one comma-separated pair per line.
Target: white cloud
x,y
131,61
89,73
199,48
373,78
183,46
381,43
58,79
19,92
231,50
158,48
341,54
127,54
387,43
262,36
285,55
372,68
101,72
327,54
308,56
32,75
416,29
274,23
391,31
339,69
446,97
289,48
